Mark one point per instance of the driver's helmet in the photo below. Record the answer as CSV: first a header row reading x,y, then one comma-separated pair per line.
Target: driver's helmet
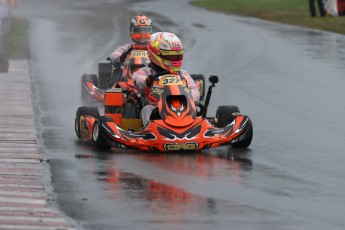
x,y
166,50
140,29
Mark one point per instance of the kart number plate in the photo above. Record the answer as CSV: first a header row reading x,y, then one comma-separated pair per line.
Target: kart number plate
x,y
139,53
170,81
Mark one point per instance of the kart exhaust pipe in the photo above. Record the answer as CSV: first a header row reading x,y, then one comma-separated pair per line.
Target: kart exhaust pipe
x,y
213,79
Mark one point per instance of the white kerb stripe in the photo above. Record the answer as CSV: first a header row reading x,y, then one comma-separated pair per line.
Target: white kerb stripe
x,y
23,201
21,227
32,219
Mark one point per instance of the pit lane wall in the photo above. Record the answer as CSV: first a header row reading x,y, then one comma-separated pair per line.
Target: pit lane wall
x,y
24,202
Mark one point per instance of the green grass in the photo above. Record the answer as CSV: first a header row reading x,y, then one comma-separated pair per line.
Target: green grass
x,y
16,39
294,12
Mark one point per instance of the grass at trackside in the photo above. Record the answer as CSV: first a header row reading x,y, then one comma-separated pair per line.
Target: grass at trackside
x,y
294,12
16,39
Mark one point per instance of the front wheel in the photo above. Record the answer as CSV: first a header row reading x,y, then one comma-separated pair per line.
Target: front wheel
x,y
98,138
80,126
226,114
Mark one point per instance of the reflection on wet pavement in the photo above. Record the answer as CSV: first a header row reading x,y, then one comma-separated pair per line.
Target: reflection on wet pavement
x,y
154,196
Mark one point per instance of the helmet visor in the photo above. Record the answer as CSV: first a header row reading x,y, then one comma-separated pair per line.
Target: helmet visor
x,y
171,55
142,29
175,57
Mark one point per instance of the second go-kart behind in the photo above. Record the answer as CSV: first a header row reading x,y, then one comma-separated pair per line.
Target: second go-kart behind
x,y
93,86
177,124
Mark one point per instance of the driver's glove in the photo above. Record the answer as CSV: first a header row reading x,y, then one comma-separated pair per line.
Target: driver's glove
x,y
149,80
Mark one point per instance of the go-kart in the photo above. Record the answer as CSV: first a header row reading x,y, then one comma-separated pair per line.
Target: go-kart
x,y
176,124
93,86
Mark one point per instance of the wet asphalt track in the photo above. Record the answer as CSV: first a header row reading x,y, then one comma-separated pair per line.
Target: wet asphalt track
x,y
288,80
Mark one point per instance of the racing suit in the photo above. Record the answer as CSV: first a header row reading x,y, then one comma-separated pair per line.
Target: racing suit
x,y
139,79
117,58
116,54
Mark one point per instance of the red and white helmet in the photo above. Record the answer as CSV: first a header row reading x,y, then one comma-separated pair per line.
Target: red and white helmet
x,y
140,29
166,50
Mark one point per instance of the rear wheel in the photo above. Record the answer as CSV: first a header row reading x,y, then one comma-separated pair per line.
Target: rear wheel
x,y
199,80
226,114
98,138
87,78
81,112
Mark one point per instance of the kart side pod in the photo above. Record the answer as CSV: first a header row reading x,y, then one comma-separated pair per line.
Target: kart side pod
x,y
113,104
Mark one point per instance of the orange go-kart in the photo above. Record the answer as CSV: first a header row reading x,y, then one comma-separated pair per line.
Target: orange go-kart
x,y
93,86
177,124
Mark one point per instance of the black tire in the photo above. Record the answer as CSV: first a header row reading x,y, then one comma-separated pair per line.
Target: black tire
x,y
98,138
225,115
245,139
84,111
87,78
201,78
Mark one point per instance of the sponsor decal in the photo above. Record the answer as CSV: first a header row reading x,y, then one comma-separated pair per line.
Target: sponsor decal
x,y
187,90
156,90
144,136
142,21
178,147
176,45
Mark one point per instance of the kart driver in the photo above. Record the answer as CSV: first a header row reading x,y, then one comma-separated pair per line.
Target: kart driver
x,y
165,52
140,29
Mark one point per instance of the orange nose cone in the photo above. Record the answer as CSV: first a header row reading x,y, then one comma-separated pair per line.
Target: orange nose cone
x,y
176,104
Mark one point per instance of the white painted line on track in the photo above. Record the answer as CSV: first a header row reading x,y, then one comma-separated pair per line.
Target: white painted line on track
x,y
24,209
23,201
18,193
33,186
33,219
32,161
20,227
